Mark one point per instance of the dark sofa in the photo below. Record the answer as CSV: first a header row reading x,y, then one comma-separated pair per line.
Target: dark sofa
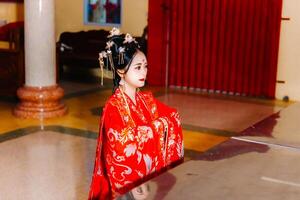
x,y
80,49
12,61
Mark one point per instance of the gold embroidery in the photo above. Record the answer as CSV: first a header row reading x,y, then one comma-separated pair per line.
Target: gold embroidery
x,y
148,100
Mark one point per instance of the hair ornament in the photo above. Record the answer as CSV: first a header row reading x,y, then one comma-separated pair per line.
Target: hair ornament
x,y
110,59
128,38
103,54
121,55
109,44
121,49
116,48
101,63
114,31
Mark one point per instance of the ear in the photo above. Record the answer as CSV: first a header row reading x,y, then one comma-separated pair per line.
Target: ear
x,y
121,72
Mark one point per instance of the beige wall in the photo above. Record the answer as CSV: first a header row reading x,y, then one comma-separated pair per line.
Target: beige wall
x,y
69,16
135,16
289,52
11,12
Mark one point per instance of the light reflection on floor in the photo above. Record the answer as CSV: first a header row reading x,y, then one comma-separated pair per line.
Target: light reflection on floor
x,y
46,165
257,172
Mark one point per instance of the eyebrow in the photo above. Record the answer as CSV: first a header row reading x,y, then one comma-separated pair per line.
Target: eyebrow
x,y
140,64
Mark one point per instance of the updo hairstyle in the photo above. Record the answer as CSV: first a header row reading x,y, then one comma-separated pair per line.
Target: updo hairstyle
x,y
122,49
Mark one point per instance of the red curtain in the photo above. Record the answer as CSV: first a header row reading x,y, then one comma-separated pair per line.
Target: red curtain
x,y
157,44
228,46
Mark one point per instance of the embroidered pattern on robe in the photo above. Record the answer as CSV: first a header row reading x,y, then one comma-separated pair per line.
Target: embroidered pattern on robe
x,y
135,141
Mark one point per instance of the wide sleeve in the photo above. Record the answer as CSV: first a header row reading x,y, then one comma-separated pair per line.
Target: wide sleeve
x,y
100,187
173,137
171,134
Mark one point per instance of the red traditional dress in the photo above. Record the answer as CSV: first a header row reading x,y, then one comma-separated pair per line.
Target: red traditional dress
x,y
135,142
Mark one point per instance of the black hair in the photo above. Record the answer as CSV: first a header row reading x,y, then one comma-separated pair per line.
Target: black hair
x,y
130,49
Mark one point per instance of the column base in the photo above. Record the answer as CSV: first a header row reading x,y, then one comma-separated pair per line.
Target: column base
x,y
40,102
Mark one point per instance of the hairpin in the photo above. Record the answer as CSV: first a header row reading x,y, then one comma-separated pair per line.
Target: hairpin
x,y
114,31
110,59
109,44
121,55
128,38
101,63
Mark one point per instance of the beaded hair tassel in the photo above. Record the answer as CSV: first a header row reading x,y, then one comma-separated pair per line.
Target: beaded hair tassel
x,y
101,63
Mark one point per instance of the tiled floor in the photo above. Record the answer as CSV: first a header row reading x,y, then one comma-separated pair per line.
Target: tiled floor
x,y
46,165
282,128
35,154
233,170
218,114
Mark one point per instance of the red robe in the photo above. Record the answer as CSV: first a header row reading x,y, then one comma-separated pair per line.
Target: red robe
x,y
136,141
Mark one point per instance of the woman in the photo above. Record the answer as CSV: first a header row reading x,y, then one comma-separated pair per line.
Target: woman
x,y
139,136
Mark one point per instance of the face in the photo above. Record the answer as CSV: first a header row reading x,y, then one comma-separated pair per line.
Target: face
x,y
136,75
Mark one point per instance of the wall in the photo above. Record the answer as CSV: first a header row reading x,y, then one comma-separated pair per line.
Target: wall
x,y
135,16
11,12
69,16
289,52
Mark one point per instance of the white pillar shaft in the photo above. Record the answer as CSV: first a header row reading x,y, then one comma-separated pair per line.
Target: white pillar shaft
x,y
40,64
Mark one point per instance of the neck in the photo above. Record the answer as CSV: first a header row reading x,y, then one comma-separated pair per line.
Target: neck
x,y
130,91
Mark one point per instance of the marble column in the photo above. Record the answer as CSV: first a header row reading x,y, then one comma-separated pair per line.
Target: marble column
x,y
40,96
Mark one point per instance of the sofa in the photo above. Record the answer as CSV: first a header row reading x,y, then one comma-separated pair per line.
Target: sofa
x,y
12,59
81,49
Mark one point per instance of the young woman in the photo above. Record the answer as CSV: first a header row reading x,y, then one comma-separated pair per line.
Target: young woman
x,y
139,136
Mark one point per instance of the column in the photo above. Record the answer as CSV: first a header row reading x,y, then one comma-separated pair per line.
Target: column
x,y
40,96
